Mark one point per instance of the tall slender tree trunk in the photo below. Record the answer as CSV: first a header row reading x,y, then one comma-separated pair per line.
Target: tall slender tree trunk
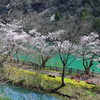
x,y
88,66
24,60
44,64
87,69
17,58
63,75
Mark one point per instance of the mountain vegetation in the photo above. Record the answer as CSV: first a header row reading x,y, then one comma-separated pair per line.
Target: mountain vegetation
x,y
76,16
69,29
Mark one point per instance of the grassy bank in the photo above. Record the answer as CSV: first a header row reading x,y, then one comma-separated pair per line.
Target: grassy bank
x,y
3,97
73,89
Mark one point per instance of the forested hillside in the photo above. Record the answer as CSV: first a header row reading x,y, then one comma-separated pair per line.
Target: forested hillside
x,y
39,37
75,16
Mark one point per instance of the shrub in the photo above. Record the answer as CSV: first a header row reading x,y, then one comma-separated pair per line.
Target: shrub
x,y
84,14
57,16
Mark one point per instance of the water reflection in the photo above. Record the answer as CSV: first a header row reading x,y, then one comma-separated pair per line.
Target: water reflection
x,y
19,93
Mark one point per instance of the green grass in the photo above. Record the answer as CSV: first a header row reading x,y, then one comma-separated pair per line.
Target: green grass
x,y
3,97
19,73
42,81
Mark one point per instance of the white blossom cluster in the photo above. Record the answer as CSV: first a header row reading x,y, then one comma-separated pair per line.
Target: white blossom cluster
x,y
13,34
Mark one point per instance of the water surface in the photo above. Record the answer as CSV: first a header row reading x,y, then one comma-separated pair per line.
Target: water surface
x,y
56,62
19,93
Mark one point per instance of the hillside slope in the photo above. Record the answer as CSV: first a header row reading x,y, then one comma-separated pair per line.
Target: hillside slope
x,y
75,16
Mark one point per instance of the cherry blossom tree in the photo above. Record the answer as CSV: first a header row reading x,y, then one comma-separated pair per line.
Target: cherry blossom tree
x,y
64,49
43,47
12,39
88,50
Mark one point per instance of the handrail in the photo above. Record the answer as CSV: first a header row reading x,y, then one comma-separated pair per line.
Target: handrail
x,y
69,70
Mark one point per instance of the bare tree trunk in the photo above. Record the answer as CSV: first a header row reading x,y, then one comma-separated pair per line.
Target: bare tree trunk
x,y
87,65
63,75
44,64
87,69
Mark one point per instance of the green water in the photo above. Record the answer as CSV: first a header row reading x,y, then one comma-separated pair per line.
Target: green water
x,y
56,62
19,93
77,64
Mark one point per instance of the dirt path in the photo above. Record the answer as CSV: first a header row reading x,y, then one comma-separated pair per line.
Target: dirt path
x,y
45,72
94,80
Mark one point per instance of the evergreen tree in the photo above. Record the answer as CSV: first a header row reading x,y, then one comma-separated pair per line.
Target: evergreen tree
x,y
57,16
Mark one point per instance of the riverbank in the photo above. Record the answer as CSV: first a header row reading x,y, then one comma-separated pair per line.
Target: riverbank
x,y
20,93
41,82
2,97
